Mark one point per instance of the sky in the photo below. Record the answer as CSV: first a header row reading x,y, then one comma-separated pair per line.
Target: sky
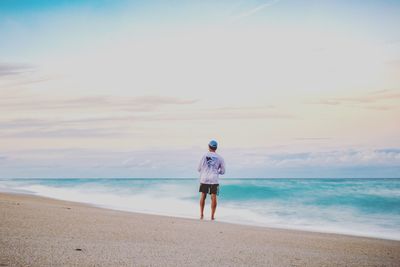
x,y
288,88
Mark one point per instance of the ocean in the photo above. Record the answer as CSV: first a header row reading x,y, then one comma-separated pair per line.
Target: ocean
x,y
361,207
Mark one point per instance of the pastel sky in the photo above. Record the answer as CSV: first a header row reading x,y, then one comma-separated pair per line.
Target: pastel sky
x,y
288,88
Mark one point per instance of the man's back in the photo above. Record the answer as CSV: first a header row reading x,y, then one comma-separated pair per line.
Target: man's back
x,y
211,165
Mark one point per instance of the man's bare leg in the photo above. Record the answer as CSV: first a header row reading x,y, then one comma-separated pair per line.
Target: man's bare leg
x,y
213,205
202,203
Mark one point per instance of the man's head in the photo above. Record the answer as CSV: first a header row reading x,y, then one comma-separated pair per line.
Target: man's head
x,y
213,145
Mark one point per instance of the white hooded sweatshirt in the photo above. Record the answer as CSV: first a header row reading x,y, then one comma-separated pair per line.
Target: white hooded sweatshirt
x,y
210,167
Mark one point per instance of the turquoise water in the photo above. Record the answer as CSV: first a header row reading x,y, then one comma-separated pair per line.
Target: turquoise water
x,y
365,207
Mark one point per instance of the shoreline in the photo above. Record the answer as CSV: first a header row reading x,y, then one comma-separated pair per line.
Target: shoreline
x,y
240,223
40,231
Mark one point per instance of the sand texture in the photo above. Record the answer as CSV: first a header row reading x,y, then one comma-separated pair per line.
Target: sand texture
x,y
36,231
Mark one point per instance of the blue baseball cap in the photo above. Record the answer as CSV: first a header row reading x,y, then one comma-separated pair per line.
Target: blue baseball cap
x,y
213,144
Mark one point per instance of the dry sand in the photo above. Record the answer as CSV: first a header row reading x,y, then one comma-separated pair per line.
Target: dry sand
x,y
36,231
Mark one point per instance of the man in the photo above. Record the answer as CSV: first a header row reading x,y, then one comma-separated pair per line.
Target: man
x,y
210,167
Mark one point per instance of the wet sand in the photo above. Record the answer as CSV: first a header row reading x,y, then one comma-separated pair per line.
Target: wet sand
x,y
37,231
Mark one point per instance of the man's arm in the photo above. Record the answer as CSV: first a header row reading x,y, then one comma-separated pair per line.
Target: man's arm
x,y
222,167
201,164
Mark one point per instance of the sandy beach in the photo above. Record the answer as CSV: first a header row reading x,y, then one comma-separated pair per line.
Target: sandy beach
x,y
37,231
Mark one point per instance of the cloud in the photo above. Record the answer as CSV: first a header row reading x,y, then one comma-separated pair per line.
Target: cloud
x,y
255,10
93,120
312,138
226,114
289,156
66,133
139,163
125,102
157,163
389,150
77,162
337,158
374,100
303,160
7,69
56,128
394,62
393,42
23,82
139,103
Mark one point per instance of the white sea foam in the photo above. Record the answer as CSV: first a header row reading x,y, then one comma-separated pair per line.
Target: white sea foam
x,y
180,200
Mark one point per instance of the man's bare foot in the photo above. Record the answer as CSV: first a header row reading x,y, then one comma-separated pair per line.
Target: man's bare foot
x,y
201,217
212,218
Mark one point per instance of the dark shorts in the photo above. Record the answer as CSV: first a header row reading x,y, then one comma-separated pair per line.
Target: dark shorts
x,y
209,188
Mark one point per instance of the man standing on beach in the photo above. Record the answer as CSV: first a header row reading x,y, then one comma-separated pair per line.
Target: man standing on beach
x,y
210,167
